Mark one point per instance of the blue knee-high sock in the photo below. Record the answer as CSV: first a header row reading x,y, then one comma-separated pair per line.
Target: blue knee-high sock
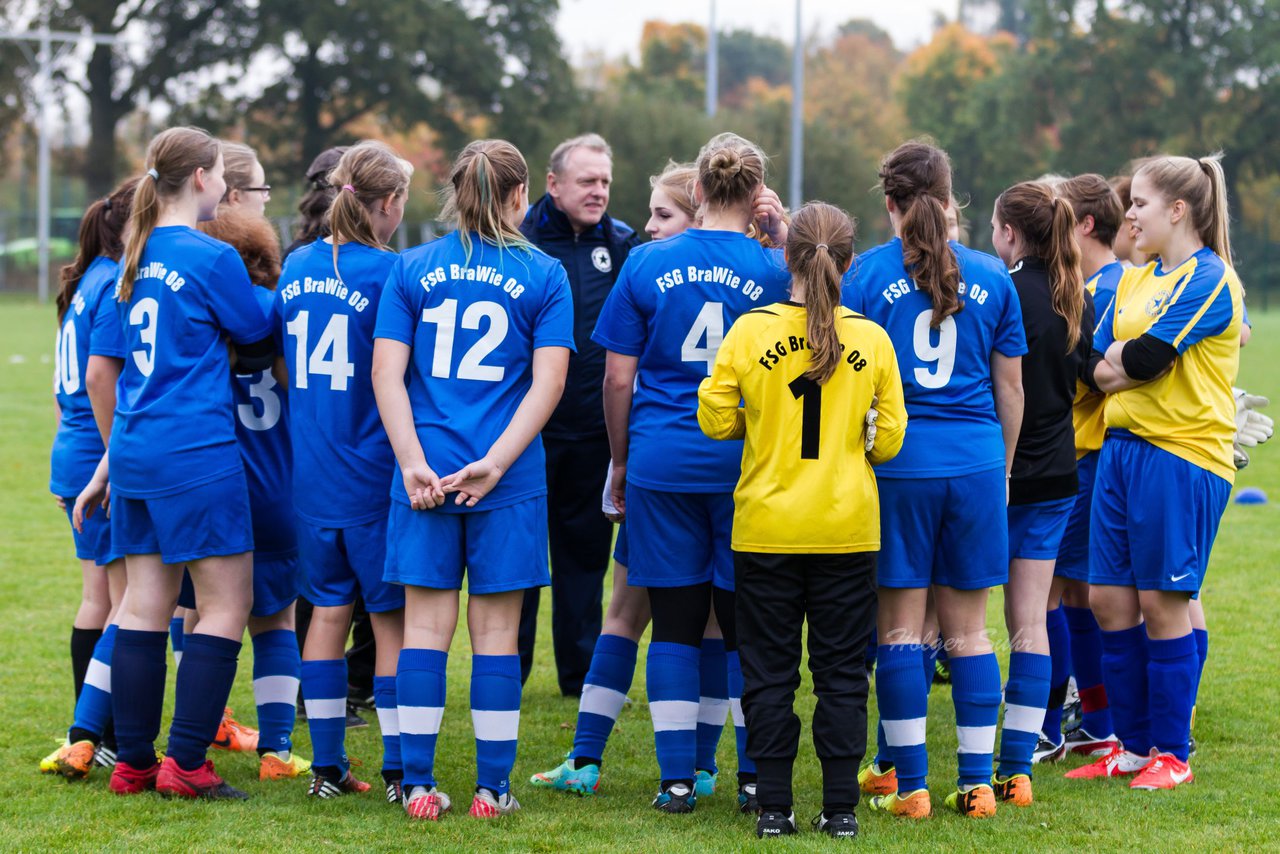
x,y
277,670
884,756
1202,654
1172,670
324,693
746,765
137,694
713,703
203,686
1124,673
420,687
613,666
1025,696
176,639
1086,663
1059,670
495,715
93,708
904,706
929,654
975,692
671,673
384,700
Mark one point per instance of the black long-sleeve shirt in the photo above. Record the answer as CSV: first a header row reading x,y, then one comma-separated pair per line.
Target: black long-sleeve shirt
x,y
1044,464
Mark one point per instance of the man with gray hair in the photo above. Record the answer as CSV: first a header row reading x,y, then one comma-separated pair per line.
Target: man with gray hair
x,y
571,223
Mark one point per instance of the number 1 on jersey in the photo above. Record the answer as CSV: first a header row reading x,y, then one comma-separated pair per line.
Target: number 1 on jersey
x,y
809,393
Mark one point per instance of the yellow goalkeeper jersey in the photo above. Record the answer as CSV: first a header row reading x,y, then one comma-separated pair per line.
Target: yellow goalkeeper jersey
x,y
806,484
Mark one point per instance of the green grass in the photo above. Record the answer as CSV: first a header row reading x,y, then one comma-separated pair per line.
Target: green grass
x,y
1232,805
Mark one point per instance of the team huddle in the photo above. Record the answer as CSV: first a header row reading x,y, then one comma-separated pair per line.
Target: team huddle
x,y
789,432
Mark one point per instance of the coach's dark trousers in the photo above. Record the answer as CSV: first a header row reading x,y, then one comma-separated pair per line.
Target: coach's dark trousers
x,y
775,593
580,537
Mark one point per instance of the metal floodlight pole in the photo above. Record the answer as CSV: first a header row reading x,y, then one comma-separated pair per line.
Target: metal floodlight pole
x,y
796,175
713,64
44,97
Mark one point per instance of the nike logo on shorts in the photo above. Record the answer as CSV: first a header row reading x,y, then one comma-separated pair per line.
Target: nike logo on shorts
x,y
1176,578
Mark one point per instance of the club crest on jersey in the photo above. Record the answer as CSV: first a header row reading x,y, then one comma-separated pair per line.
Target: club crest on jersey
x,y
601,259
1157,303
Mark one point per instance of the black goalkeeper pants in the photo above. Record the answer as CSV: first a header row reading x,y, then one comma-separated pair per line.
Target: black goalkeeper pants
x,y
776,593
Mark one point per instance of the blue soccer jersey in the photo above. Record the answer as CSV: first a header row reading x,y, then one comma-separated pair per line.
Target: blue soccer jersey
x,y
91,327
946,372
672,304
262,428
173,429
1102,285
473,320
342,459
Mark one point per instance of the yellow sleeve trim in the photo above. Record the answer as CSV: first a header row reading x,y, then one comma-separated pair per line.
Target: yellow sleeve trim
x,y
1191,324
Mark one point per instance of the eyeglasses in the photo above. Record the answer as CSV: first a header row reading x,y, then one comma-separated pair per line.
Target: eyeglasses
x,y
265,190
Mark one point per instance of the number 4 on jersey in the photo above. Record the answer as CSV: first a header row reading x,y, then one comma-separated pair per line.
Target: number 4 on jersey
x,y
709,323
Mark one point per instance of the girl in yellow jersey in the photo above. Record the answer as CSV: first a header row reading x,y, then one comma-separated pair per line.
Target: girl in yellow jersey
x,y
1172,347
806,525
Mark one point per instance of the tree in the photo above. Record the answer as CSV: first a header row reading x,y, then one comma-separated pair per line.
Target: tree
x,y
170,45
969,93
852,121
463,69
747,56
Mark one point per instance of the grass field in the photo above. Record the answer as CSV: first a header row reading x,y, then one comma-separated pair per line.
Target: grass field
x,y
1233,804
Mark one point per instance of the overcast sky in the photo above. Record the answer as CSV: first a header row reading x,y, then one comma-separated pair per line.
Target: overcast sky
x,y
614,26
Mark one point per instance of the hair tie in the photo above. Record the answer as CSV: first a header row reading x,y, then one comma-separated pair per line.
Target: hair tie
x,y
155,176
349,188
821,246
106,203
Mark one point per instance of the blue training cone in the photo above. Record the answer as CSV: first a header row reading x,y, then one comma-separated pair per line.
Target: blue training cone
x,y
1251,495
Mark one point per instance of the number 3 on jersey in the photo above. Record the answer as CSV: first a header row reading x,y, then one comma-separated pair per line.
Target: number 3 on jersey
x,y
329,358
708,323
943,353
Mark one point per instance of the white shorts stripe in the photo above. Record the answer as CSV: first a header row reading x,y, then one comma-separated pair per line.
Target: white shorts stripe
x,y
496,726
598,700
389,721
976,739
419,720
673,715
335,707
904,733
735,703
1023,718
713,711
275,689
98,675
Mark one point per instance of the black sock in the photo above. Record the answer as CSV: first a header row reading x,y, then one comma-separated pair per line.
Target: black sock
x,y
392,775
583,761
839,785
82,644
332,773
667,784
77,734
109,735
1058,695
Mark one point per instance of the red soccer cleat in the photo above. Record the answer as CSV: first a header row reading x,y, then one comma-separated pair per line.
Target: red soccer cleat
x,y
203,782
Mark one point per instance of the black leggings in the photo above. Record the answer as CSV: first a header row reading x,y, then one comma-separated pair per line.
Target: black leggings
x,y
680,614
